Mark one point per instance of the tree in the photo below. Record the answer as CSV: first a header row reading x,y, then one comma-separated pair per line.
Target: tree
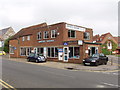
x,y
6,45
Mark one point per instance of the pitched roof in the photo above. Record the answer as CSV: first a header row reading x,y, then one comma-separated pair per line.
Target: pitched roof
x,y
3,31
28,30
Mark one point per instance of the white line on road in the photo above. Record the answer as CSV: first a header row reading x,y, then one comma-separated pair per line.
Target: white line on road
x,y
111,84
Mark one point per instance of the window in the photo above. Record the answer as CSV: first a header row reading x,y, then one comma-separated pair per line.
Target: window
x,y
25,51
39,35
74,52
86,35
71,34
46,34
28,38
23,38
40,51
52,52
53,33
11,50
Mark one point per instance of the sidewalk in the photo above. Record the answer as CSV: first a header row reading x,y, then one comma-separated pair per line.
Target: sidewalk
x,y
69,66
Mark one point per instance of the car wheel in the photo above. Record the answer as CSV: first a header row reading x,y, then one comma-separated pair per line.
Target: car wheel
x,y
36,61
105,63
28,60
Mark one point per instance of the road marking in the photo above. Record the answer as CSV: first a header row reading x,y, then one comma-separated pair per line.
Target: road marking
x,y
111,84
6,85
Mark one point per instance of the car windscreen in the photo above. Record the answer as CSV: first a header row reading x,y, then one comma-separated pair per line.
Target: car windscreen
x,y
95,55
32,55
1,51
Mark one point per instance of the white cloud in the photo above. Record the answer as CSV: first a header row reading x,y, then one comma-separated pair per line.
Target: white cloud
x,y
101,15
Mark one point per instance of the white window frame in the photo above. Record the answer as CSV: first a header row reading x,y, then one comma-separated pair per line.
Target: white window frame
x,y
87,37
74,53
23,38
11,50
51,53
28,38
44,35
53,32
40,36
70,33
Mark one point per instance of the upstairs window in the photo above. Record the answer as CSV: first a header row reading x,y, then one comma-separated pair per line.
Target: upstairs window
x,y
86,35
28,38
23,38
53,33
46,34
71,34
39,35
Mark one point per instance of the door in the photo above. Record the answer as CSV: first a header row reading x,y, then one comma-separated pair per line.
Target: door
x,y
66,54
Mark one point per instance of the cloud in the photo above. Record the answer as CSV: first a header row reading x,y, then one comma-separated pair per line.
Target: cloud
x,y
101,15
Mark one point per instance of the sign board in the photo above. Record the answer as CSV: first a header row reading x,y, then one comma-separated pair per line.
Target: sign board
x,y
80,42
75,27
65,43
60,50
46,41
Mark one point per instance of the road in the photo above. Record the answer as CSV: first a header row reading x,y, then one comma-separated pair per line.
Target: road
x,y
25,75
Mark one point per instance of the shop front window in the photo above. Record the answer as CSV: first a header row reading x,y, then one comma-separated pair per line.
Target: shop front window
x,y
52,52
40,51
74,52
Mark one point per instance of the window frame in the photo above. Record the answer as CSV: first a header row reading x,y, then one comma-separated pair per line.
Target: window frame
x,y
53,32
40,36
87,37
70,36
44,35
28,37
23,38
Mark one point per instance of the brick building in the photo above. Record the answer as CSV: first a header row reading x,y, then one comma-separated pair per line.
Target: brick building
x,y
58,42
108,42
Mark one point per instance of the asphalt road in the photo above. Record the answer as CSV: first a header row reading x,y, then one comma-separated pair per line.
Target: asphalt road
x,y
25,75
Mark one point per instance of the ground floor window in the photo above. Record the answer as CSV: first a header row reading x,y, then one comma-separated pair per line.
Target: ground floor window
x,y
25,51
52,52
11,50
74,52
40,51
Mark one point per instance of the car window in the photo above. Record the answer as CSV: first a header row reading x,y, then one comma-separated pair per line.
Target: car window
x,y
0,51
102,55
32,55
95,55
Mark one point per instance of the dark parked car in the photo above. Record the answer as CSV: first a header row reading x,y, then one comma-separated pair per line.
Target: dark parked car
x,y
36,58
96,59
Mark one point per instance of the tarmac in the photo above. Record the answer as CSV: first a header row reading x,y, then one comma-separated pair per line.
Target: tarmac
x,y
110,67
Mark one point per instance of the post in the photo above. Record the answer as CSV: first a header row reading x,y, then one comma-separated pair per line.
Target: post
x,y
111,58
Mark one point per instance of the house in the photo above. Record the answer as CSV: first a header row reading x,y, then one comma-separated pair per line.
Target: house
x,y
118,41
5,34
108,42
58,42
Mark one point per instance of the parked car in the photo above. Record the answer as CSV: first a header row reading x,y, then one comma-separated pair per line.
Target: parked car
x,y
2,53
36,58
96,59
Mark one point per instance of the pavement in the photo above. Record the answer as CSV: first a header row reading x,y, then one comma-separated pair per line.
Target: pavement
x,y
111,66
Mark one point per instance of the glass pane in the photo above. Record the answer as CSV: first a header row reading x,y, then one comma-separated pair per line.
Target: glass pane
x,y
76,52
48,52
71,52
52,52
56,52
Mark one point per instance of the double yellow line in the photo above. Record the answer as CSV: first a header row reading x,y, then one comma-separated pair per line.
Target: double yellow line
x,y
6,85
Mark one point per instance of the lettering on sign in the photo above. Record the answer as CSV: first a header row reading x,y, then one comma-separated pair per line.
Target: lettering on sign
x,y
74,27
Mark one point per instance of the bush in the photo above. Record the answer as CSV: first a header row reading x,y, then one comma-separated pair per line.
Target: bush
x,y
6,45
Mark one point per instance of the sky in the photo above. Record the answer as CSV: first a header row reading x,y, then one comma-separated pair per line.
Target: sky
x,y
100,15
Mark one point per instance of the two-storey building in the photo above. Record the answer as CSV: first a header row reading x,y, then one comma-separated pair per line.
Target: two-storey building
x,y
58,42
